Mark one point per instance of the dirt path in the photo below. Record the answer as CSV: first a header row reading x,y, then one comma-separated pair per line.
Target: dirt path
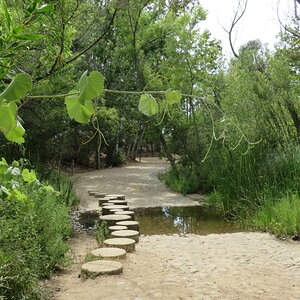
x,y
138,181
227,266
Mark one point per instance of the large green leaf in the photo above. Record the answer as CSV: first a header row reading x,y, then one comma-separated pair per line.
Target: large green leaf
x,y
78,111
16,134
90,86
148,105
8,113
173,97
18,88
28,176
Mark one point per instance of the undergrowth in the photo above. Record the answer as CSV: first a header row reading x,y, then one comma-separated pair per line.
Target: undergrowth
x,y
101,233
260,189
34,226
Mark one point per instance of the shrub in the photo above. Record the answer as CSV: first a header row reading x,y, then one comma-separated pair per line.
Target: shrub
x,y
34,226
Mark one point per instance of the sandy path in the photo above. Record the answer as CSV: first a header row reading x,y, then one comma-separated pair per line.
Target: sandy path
x,y
138,181
191,267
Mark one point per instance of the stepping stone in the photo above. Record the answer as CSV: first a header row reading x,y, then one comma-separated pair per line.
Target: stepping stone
x,y
102,201
131,234
132,225
113,211
116,202
119,197
99,195
111,197
105,203
107,208
112,219
95,268
123,243
116,227
127,213
110,253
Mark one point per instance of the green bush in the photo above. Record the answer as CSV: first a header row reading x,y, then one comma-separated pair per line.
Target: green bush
x,y
60,182
187,181
280,216
34,226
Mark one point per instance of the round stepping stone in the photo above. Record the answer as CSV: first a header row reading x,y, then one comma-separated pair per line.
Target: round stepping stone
x,y
95,268
111,198
112,219
113,211
127,213
99,195
130,234
123,243
102,201
116,202
107,208
116,227
118,196
132,225
110,253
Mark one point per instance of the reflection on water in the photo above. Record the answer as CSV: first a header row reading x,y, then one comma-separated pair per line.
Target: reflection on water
x,y
187,219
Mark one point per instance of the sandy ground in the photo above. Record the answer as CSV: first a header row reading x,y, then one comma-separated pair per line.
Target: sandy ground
x,y
138,181
224,266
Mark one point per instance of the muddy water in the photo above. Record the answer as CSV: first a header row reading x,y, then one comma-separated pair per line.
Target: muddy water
x,y
179,220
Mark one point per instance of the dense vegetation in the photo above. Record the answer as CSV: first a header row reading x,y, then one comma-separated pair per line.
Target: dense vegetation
x,y
230,131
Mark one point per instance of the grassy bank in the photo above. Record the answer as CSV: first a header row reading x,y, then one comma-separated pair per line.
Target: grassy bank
x,y
35,227
260,189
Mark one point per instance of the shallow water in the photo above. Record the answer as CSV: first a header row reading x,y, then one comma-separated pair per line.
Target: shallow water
x,y
185,219
89,218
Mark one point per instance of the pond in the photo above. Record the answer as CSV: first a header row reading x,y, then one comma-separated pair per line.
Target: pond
x,y
180,220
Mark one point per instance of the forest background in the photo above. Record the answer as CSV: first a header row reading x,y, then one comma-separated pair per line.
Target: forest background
x,y
230,131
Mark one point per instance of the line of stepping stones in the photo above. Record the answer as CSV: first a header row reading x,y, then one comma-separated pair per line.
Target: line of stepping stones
x,y
124,231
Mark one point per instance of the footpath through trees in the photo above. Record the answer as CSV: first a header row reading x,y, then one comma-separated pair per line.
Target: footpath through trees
x,y
248,265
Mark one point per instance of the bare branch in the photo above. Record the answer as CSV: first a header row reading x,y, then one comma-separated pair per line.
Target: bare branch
x,y
286,28
237,17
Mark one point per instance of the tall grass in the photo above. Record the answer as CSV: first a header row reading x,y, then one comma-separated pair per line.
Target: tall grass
x,y
262,188
60,182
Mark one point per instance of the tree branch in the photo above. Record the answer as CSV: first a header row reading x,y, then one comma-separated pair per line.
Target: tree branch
x,y
237,17
53,68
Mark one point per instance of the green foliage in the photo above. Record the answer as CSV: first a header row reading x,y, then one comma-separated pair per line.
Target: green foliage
x,y
148,105
60,182
77,111
16,31
9,123
278,215
34,227
18,88
186,183
80,106
101,233
173,97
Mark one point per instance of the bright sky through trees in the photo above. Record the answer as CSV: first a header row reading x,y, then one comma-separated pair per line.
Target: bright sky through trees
x,y
259,22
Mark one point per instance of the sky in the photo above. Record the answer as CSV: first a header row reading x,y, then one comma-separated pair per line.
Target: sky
x,y
259,21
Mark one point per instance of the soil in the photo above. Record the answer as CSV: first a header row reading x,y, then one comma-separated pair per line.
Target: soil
x,y
246,265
